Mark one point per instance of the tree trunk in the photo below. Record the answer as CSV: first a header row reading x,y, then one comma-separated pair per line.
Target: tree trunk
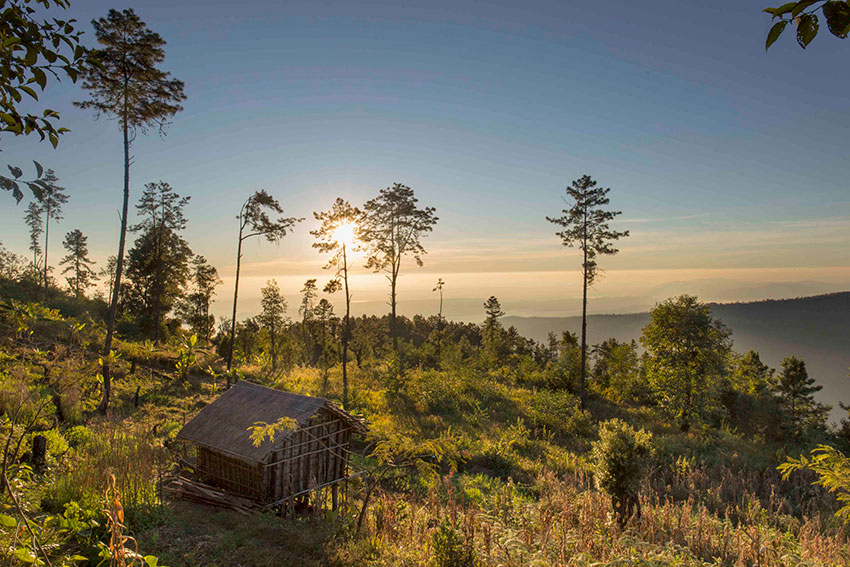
x,y
346,331
158,287
46,240
274,349
393,333
235,298
119,265
583,333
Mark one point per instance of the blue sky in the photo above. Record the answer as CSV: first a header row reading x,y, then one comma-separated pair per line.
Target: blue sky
x,y
729,163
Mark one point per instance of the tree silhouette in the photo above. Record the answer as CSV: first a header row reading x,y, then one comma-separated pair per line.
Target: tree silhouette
x,y
273,316
309,293
125,84
52,199
34,220
439,288
324,316
337,232
392,227
78,262
158,264
194,309
254,216
585,225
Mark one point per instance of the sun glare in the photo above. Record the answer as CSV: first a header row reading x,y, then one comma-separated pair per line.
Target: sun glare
x,y
344,234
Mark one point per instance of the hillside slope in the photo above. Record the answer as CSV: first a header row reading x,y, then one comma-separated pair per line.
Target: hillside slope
x,y
816,329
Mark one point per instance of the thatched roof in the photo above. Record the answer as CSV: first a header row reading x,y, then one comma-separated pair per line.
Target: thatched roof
x,y
223,425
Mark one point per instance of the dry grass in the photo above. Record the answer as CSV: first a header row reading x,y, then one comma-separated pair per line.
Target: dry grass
x,y
572,525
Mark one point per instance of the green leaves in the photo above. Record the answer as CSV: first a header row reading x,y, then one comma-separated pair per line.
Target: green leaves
x,y
832,468
29,49
837,18
7,521
774,33
807,29
780,11
803,14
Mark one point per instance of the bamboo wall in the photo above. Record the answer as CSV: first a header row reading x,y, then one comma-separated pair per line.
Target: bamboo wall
x,y
233,475
312,457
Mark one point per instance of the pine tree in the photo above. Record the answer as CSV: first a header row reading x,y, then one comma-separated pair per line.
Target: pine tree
x,y
35,222
392,227
494,342
254,220
796,393
126,84
337,236
194,309
107,274
273,316
585,225
324,317
78,263
309,293
52,199
158,263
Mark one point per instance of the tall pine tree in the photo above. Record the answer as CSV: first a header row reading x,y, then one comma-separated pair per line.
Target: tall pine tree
x,y
392,227
127,85
78,263
585,226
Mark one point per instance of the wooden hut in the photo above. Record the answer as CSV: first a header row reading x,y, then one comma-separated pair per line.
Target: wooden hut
x,y
309,458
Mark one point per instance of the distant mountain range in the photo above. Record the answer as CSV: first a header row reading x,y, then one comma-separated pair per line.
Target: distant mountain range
x,y
816,329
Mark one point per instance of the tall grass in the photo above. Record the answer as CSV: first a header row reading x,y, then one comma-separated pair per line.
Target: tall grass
x,y
572,525
130,452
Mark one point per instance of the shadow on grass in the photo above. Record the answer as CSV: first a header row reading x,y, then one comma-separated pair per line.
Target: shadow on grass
x,y
196,535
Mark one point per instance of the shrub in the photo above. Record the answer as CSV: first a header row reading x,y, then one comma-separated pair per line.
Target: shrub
x,y
78,435
620,456
451,549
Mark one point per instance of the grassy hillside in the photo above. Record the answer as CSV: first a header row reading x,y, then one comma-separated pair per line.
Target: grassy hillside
x,y
491,465
815,329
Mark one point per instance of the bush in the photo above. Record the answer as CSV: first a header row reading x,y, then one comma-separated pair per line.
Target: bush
x,y
78,435
450,548
620,457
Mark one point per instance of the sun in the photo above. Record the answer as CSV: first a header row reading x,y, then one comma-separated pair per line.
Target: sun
x,y
345,234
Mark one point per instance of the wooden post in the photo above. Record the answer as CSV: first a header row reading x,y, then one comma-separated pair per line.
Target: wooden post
x,y
39,451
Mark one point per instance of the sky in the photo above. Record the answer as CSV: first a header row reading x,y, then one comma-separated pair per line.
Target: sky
x,y
728,163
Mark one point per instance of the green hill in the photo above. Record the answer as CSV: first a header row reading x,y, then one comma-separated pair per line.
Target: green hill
x,y
816,329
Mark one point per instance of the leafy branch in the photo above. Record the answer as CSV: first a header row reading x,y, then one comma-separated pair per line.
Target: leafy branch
x,y
804,16
833,470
